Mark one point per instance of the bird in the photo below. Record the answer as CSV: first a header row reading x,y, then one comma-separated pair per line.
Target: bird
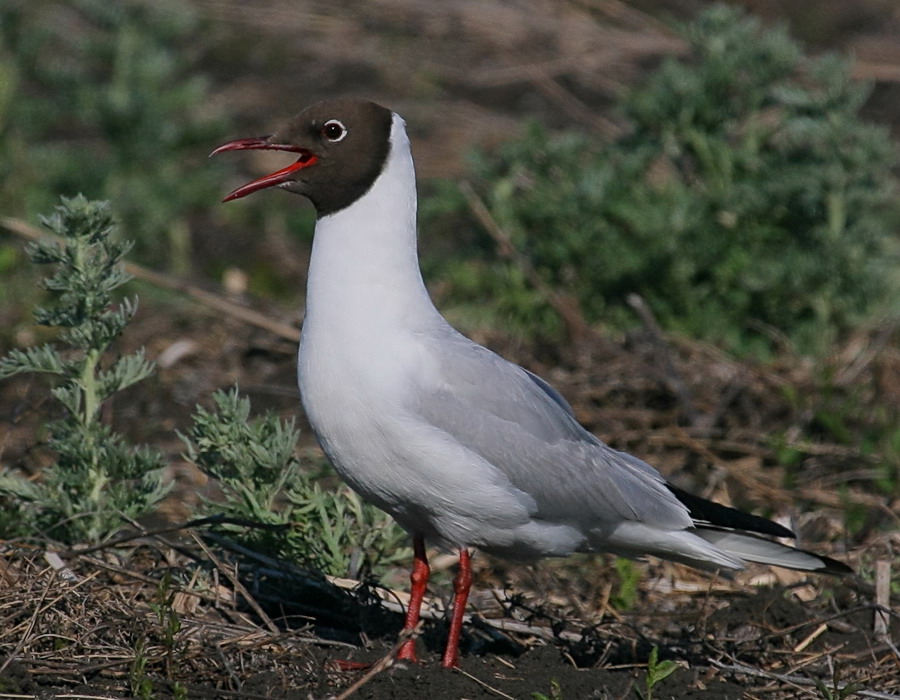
x,y
463,448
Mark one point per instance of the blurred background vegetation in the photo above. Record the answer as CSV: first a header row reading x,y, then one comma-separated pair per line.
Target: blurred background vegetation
x,y
747,198
720,170
735,167
109,100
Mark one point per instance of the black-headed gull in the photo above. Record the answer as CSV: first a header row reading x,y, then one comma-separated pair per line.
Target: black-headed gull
x,y
463,448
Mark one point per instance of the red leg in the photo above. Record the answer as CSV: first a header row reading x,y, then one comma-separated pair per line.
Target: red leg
x,y
461,585
418,580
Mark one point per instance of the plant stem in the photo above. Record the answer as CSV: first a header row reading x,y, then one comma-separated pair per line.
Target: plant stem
x,y
88,380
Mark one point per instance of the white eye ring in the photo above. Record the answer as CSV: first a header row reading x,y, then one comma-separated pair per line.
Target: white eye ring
x,y
328,130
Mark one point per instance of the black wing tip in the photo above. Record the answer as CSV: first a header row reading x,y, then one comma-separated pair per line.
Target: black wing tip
x,y
724,516
833,567
720,516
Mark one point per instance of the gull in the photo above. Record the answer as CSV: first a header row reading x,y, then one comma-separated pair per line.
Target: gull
x,y
463,448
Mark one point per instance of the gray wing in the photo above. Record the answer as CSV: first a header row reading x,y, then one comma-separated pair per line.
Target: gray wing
x,y
521,425
551,392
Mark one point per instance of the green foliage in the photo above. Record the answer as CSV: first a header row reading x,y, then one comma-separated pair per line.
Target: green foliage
x,y
105,98
169,624
173,645
555,692
140,683
843,413
97,478
263,481
657,672
837,690
626,592
748,200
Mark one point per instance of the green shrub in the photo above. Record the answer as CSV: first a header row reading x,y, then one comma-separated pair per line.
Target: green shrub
x,y
747,195
262,480
105,98
97,479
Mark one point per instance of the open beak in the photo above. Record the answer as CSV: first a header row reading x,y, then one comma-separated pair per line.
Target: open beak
x,y
279,177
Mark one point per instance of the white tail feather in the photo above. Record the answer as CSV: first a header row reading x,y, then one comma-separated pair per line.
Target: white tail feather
x,y
761,550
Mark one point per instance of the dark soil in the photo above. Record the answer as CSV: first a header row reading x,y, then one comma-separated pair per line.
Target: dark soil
x,y
89,635
770,633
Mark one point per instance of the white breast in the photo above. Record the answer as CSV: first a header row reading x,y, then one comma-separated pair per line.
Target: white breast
x,y
365,302
366,349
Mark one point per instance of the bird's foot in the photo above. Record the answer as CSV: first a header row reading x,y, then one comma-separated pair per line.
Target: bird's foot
x,y
407,651
450,659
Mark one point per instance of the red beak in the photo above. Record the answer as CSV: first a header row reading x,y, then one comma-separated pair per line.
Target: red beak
x,y
279,177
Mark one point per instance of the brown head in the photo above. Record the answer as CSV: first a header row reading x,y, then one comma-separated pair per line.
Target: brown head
x,y
342,146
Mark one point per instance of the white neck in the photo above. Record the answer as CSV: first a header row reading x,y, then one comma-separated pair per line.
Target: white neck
x,y
364,271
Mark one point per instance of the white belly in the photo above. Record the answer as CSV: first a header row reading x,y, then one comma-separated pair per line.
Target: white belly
x,y
360,408
353,398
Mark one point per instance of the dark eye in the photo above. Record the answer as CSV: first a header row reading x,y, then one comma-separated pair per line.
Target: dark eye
x,y
334,131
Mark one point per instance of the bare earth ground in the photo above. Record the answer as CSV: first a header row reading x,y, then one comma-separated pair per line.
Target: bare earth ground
x,y
729,645
95,623
111,623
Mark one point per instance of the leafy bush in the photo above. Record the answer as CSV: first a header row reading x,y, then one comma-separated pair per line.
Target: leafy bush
x,y
104,98
97,478
748,195
254,460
